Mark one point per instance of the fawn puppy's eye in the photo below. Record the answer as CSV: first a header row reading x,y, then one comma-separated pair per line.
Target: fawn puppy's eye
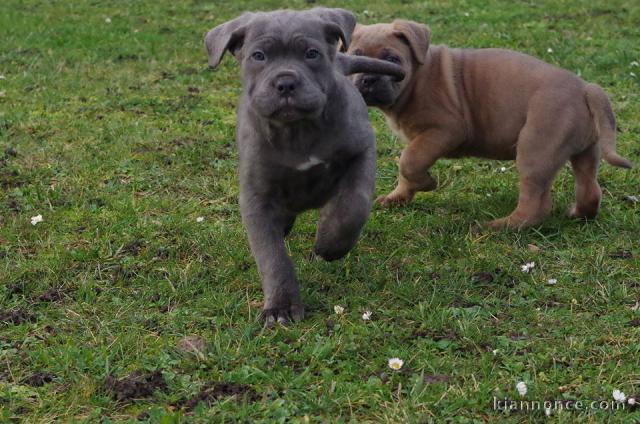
x,y
312,54
258,55
392,59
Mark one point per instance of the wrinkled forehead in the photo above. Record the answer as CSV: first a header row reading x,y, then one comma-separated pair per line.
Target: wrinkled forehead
x,y
286,26
369,39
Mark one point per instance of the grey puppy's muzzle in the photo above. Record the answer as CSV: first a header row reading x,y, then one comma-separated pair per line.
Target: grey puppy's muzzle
x,y
287,94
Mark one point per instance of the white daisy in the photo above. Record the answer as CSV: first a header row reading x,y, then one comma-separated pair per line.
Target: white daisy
x,y
549,50
552,281
36,219
107,20
339,310
366,316
395,363
631,401
521,387
200,219
527,267
619,396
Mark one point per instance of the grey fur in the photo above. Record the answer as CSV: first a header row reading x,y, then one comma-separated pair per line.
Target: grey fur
x,y
304,139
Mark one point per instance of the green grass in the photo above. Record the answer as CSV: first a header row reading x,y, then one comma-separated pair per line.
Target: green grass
x,y
119,135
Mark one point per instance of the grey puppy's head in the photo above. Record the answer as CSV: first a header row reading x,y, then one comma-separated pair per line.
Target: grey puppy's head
x,y
286,58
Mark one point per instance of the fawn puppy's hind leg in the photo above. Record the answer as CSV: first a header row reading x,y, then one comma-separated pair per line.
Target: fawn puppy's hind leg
x,y
540,154
588,192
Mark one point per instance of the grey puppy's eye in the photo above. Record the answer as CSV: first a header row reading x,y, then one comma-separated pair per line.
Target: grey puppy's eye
x,y
312,54
258,55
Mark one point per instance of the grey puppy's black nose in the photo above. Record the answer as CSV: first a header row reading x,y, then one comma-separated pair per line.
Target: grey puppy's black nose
x,y
286,84
369,80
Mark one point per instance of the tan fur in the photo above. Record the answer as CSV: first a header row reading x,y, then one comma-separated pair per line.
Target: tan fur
x,y
496,104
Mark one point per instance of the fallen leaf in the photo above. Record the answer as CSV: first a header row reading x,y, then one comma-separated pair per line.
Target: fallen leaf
x,y
436,378
192,344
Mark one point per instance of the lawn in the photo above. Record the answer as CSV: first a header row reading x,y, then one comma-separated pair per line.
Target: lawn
x,y
122,305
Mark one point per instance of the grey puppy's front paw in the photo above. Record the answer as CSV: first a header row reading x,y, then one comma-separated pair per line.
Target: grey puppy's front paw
x,y
283,316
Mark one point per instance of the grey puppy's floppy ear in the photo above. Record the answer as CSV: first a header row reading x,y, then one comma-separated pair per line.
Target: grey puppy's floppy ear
x,y
227,36
340,24
416,35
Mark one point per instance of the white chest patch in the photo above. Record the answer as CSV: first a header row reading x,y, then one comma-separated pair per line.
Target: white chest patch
x,y
313,161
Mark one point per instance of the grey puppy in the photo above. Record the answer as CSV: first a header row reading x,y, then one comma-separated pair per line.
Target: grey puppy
x,y
303,136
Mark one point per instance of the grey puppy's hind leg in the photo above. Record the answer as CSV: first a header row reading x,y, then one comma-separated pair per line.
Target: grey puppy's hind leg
x,y
342,218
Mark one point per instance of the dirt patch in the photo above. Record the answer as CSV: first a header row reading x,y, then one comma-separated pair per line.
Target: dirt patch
x,y
122,57
135,386
329,325
481,277
188,71
11,179
10,152
16,288
39,379
212,392
635,322
97,203
621,254
515,336
434,334
165,309
13,204
17,316
51,295
132,248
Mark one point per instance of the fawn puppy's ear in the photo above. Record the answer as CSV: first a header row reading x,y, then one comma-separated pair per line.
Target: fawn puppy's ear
x,y
416,35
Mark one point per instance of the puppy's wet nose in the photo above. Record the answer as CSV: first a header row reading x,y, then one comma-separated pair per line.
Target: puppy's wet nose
x,y
369,80
286,84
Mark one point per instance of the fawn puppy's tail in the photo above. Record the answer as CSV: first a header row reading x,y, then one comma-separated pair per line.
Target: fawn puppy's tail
x,y
605,122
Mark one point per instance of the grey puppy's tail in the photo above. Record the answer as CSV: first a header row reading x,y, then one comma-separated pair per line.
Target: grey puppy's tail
x,y
605,122
350,64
